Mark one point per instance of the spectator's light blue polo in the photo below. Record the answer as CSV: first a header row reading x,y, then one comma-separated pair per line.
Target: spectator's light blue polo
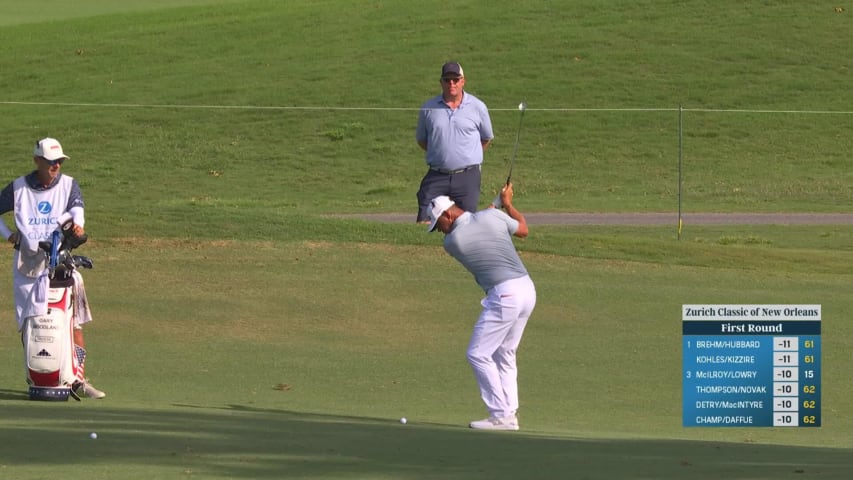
x,y
490,256
454,137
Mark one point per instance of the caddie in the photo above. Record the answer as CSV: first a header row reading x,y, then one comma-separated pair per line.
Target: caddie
x,y
38,199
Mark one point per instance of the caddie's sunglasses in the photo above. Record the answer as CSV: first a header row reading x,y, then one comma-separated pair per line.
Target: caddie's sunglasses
x,y
451,80
54,162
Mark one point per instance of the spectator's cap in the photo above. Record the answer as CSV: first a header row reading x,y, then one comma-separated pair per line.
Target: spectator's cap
x,y
437,206
49,149
452,70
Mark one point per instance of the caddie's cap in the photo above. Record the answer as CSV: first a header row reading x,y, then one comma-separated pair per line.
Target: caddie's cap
x,y
437,206
49,149
451,69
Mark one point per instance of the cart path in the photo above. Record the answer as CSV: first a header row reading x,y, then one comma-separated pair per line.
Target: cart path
x,y
650,218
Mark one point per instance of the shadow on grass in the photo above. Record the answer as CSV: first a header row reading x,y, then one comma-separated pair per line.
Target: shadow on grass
x,y
242,442
13,395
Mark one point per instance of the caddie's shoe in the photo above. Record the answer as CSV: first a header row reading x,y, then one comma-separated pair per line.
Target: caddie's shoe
x,y
496,423
86,389
92,392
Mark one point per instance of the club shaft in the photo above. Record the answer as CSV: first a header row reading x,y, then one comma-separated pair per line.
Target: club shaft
x,y
522,106
515,148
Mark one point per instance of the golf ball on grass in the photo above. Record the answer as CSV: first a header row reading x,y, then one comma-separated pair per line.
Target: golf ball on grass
x,y
93,435
403,420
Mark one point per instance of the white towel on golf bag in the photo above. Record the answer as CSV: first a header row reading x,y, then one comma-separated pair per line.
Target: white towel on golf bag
x,y
30,260
82,314
37,304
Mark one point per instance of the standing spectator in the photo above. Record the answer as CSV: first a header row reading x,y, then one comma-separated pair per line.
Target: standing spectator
x,y
454,129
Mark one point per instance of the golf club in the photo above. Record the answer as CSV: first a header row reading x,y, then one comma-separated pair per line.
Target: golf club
x,y
522,107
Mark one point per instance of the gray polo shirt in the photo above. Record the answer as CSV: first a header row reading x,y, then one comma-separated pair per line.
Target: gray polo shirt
x,y
454,137
482,243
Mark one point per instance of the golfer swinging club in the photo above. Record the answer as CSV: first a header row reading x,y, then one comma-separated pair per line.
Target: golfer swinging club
x,y
482,243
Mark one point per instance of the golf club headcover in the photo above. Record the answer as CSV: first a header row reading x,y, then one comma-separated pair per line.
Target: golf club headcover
x,y
72,240
82,262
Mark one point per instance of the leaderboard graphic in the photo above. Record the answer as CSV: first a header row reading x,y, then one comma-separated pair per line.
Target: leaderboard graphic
x,y
751,365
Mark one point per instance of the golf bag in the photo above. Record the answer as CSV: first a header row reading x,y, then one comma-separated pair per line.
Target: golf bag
x,y
53,362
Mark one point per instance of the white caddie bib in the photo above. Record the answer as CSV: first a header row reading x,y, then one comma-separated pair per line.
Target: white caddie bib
x,y
36,214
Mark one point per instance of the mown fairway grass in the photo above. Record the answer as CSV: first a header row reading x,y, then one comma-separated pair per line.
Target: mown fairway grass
x,y
242,331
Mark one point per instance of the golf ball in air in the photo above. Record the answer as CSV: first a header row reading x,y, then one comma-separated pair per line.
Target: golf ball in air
x,y
93,435
403,420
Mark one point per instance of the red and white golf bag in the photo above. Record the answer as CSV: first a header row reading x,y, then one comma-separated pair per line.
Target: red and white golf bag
x,y
53,362
52,359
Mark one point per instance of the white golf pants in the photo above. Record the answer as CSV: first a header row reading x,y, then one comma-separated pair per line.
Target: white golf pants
x,y
495,340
